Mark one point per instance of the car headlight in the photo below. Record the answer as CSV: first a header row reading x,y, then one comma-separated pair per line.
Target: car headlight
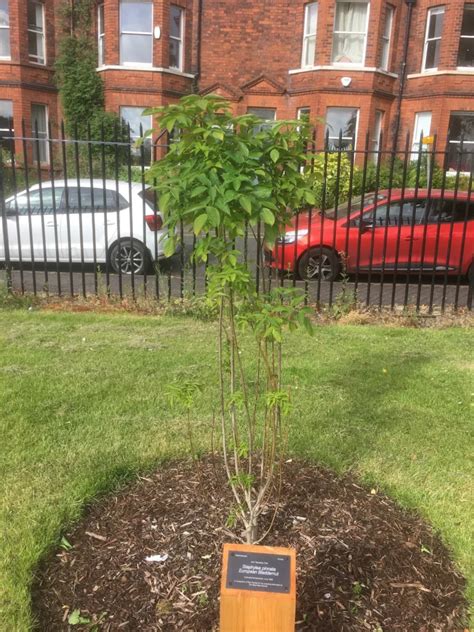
x,y
292,235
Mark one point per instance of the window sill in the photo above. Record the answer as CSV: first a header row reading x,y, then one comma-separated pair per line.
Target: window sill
x,y
345,67
137,68
434,73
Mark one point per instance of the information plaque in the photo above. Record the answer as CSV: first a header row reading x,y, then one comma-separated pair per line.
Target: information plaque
x,y
258,589
268,572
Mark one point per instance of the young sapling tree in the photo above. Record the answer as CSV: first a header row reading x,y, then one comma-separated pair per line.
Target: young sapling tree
x,y
222,174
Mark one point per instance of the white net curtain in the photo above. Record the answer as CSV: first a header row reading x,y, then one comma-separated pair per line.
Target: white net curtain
x,y
350,31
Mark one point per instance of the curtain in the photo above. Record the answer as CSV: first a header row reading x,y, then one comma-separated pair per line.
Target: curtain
x,y
350,32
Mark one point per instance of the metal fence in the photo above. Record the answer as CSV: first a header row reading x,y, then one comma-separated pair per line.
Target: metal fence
x,y
390,228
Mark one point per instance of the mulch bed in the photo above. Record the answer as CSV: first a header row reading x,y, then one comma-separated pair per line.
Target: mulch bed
x,y
363,564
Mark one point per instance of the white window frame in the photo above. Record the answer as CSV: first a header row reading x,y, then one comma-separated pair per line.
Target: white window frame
x,y
387,37
179,39
34,59
419,127
356,131
431,11
101,34
135,136
42,134
334,32
7,28
303,110
136,64
379,116
7,129
461,37
458,142
308,36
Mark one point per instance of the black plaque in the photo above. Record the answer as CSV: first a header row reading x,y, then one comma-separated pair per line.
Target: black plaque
x,y
266,572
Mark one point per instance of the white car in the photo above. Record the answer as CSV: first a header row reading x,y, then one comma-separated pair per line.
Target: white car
x,y
90,221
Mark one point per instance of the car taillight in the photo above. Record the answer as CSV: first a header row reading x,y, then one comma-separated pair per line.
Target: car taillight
x,y
154,222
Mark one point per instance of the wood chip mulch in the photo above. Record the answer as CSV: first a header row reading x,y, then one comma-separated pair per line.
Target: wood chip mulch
x,y
363,564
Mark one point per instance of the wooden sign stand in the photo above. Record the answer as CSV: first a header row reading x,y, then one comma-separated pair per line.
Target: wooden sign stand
x,y
258,589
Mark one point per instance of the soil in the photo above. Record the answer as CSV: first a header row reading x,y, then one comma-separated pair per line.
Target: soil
x,y
363,563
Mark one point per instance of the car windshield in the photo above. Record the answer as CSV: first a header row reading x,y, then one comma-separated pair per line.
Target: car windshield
x,y
346,209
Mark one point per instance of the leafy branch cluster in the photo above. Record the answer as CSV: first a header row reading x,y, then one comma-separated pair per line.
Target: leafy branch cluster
x,y
222,175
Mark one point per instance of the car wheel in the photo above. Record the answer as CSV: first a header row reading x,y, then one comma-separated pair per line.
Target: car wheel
x,y
129,255
319,262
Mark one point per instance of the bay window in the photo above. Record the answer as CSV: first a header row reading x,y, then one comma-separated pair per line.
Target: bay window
x,y
139,124
350,32
433,33
39,123
386,37
6,126
466,42
36,28
176,37
4,30
266,115
341,128
461,141
136,33
309,34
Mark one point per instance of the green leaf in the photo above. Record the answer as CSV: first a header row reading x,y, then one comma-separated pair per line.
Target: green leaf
x,y
199,223
65,544
170,247
274,155
76,619
198,190
164,202
268,216
310,197
213,216
246,204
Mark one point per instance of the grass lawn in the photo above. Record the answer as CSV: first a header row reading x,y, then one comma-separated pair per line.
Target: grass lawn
x,y
82,407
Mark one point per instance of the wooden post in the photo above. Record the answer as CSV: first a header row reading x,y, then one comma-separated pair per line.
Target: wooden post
x,y
258,589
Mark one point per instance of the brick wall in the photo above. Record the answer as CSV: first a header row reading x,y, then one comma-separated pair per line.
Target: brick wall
x,y
248,50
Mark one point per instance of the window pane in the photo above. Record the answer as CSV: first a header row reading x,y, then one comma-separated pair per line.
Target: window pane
x,y
266,114
461,126
136,49
134,116
6,122
311,17
35,15
435,28
136,15
175,21
175,47
351,17
310,51
4,42
468,20
466,52
4,15
348,48
39,123
432,54
36,46
341,121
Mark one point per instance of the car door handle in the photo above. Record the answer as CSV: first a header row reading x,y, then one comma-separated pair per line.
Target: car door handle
x,y
411,238
50,223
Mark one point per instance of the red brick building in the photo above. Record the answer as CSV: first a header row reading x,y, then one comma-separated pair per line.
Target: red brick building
x,y
360,68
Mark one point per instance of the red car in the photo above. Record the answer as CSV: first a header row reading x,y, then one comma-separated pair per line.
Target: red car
x,y
406,231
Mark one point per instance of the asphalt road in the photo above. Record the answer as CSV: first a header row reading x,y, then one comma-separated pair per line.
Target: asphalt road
x,y
174,280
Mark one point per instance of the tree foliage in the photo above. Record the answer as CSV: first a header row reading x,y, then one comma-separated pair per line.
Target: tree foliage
x,y
219,177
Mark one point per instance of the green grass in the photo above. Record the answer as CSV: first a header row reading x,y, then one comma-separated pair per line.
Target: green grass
x,y
82,407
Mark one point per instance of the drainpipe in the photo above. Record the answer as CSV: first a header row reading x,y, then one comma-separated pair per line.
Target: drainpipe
x,y
403,72
197,75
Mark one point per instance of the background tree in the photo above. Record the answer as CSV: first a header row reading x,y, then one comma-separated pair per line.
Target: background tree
x,y
219,177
